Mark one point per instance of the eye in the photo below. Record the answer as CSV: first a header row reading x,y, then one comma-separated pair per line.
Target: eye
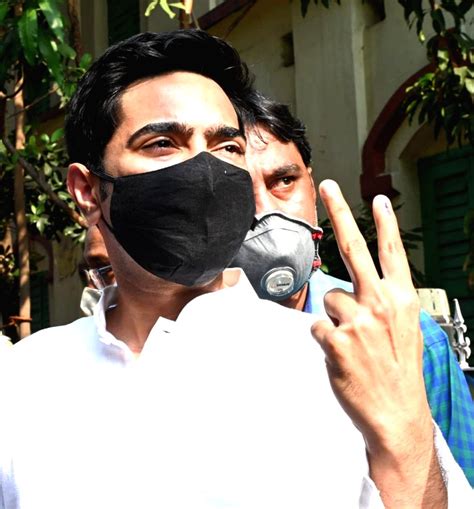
x,y
287,180
283,182
232,148
159,145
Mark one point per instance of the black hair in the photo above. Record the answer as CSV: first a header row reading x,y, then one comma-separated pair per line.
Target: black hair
x,y
278,120
93,112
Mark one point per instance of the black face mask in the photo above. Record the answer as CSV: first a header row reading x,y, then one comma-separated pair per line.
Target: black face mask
x,y
184,223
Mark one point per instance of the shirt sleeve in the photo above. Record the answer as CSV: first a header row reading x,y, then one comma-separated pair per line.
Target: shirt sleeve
x,y
369,495
459,492
448,394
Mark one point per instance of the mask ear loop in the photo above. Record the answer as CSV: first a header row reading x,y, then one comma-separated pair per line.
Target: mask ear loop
x,y
317,236
108,178
102,174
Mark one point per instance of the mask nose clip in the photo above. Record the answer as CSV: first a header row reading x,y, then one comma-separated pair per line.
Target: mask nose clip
x,y
279,282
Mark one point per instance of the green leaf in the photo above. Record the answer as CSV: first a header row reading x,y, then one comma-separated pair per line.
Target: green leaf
x,y
304,7
4,7
47,170
469,84
32,141
53,16
66,51
178,5
461,72
41,223
165,6
151,7
51,57
463,7
443,54
57,135
437,17
28,31
85,61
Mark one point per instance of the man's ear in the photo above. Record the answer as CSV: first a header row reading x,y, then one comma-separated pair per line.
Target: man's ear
x,y
310,171
80,184
314,193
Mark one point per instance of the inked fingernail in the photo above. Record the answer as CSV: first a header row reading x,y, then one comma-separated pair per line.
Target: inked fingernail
x,y
385,203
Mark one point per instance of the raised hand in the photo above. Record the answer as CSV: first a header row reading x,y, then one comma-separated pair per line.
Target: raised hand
x,y
374,347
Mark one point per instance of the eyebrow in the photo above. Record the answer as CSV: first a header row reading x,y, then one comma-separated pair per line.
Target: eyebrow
x,y
285,169
224,131
161,128
97,261
178,128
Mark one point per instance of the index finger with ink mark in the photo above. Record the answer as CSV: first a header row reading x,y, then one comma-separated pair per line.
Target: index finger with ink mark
x,y
350,241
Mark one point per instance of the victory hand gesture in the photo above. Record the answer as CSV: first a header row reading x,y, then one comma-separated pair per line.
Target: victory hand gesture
x,y
374,348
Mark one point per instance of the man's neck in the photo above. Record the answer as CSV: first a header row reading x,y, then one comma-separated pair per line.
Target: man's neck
x,y
137,311
298,300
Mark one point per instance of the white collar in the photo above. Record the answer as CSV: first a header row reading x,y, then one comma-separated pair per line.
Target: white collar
x,y
239,290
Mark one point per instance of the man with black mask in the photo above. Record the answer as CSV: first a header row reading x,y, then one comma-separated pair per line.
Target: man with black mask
x,y
184,389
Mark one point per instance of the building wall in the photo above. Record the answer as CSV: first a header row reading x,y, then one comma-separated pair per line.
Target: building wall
x,y
326,92
260,39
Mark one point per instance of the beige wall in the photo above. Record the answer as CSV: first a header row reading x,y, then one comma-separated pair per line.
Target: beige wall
x,y
93,18
258,38
325,92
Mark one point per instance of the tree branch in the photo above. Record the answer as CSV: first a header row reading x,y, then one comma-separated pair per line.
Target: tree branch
x,y
75,31
17,91
36,101
3,110
40,180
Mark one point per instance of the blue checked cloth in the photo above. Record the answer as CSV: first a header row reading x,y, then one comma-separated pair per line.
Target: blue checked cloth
x,y
448,394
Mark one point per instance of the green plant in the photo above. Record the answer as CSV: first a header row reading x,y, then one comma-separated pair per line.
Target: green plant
x,y
39,69
166,6
443,97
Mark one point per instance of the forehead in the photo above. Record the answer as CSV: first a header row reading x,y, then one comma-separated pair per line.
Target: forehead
x,y
178,96
265,152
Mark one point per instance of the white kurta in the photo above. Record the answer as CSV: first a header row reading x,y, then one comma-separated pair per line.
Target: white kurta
x,y
228,407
